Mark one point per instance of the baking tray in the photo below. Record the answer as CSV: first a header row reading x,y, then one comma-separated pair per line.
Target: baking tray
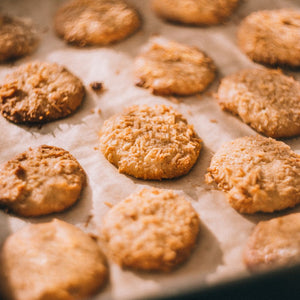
x,y
215,268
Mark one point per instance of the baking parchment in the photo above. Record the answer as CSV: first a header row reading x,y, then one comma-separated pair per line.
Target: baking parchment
x,y
223,232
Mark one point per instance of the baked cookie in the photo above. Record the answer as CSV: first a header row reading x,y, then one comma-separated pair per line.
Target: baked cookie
x,y
150,142
274,243
195,12
272,37
151,230
40,92
95,22
258,174
170,68
40,181
18,37
265,99
52,260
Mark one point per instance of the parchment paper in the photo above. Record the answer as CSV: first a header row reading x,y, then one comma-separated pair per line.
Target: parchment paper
x,y
223,232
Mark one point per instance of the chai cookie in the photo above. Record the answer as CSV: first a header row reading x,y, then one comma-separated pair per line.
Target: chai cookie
x,y
258,174
95,22
18,37
195,12
40,181
272,37
151,230
52,260
170,68
40,92
265,99
150,142
274,243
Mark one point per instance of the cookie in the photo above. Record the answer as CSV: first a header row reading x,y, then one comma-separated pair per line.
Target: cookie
x,y
170,68
265,99
152,230
95,22
40,181
52,260
40,92
274,243
271,37
18,37
150,142
195,12
258,174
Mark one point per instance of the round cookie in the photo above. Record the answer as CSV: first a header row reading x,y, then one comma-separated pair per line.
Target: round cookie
x,y
274,243
150,142
195,12
52,260
40,92
151,230
265,99
258,174
271,37
95,22
40,181
170,68
18,37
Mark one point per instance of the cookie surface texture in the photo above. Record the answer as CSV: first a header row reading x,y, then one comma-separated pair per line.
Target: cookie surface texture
x,y
170,68
151,230
274,243
18,37
267,100
52,260
195,12
95,22
258,174
150,142
40,92
40,181
272,37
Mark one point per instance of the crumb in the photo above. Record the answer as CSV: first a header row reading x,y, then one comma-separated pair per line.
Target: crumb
x,y
189,112
110,205
99,111
92,111
97,86
96,148
117,72
89,218
213,121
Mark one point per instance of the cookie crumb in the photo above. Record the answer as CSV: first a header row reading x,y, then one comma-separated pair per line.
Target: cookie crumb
x,y
88,220
97,86
110,205
213,121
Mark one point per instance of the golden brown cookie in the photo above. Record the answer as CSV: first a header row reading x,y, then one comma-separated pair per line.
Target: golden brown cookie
x,y
195,12
95,22
52,260
151,230
40,92
40,181
272,37
258,174
274,243
150,142
170,68
265,99
18,37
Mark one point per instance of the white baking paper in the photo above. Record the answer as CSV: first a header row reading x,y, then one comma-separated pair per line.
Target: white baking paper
x,y
223,232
